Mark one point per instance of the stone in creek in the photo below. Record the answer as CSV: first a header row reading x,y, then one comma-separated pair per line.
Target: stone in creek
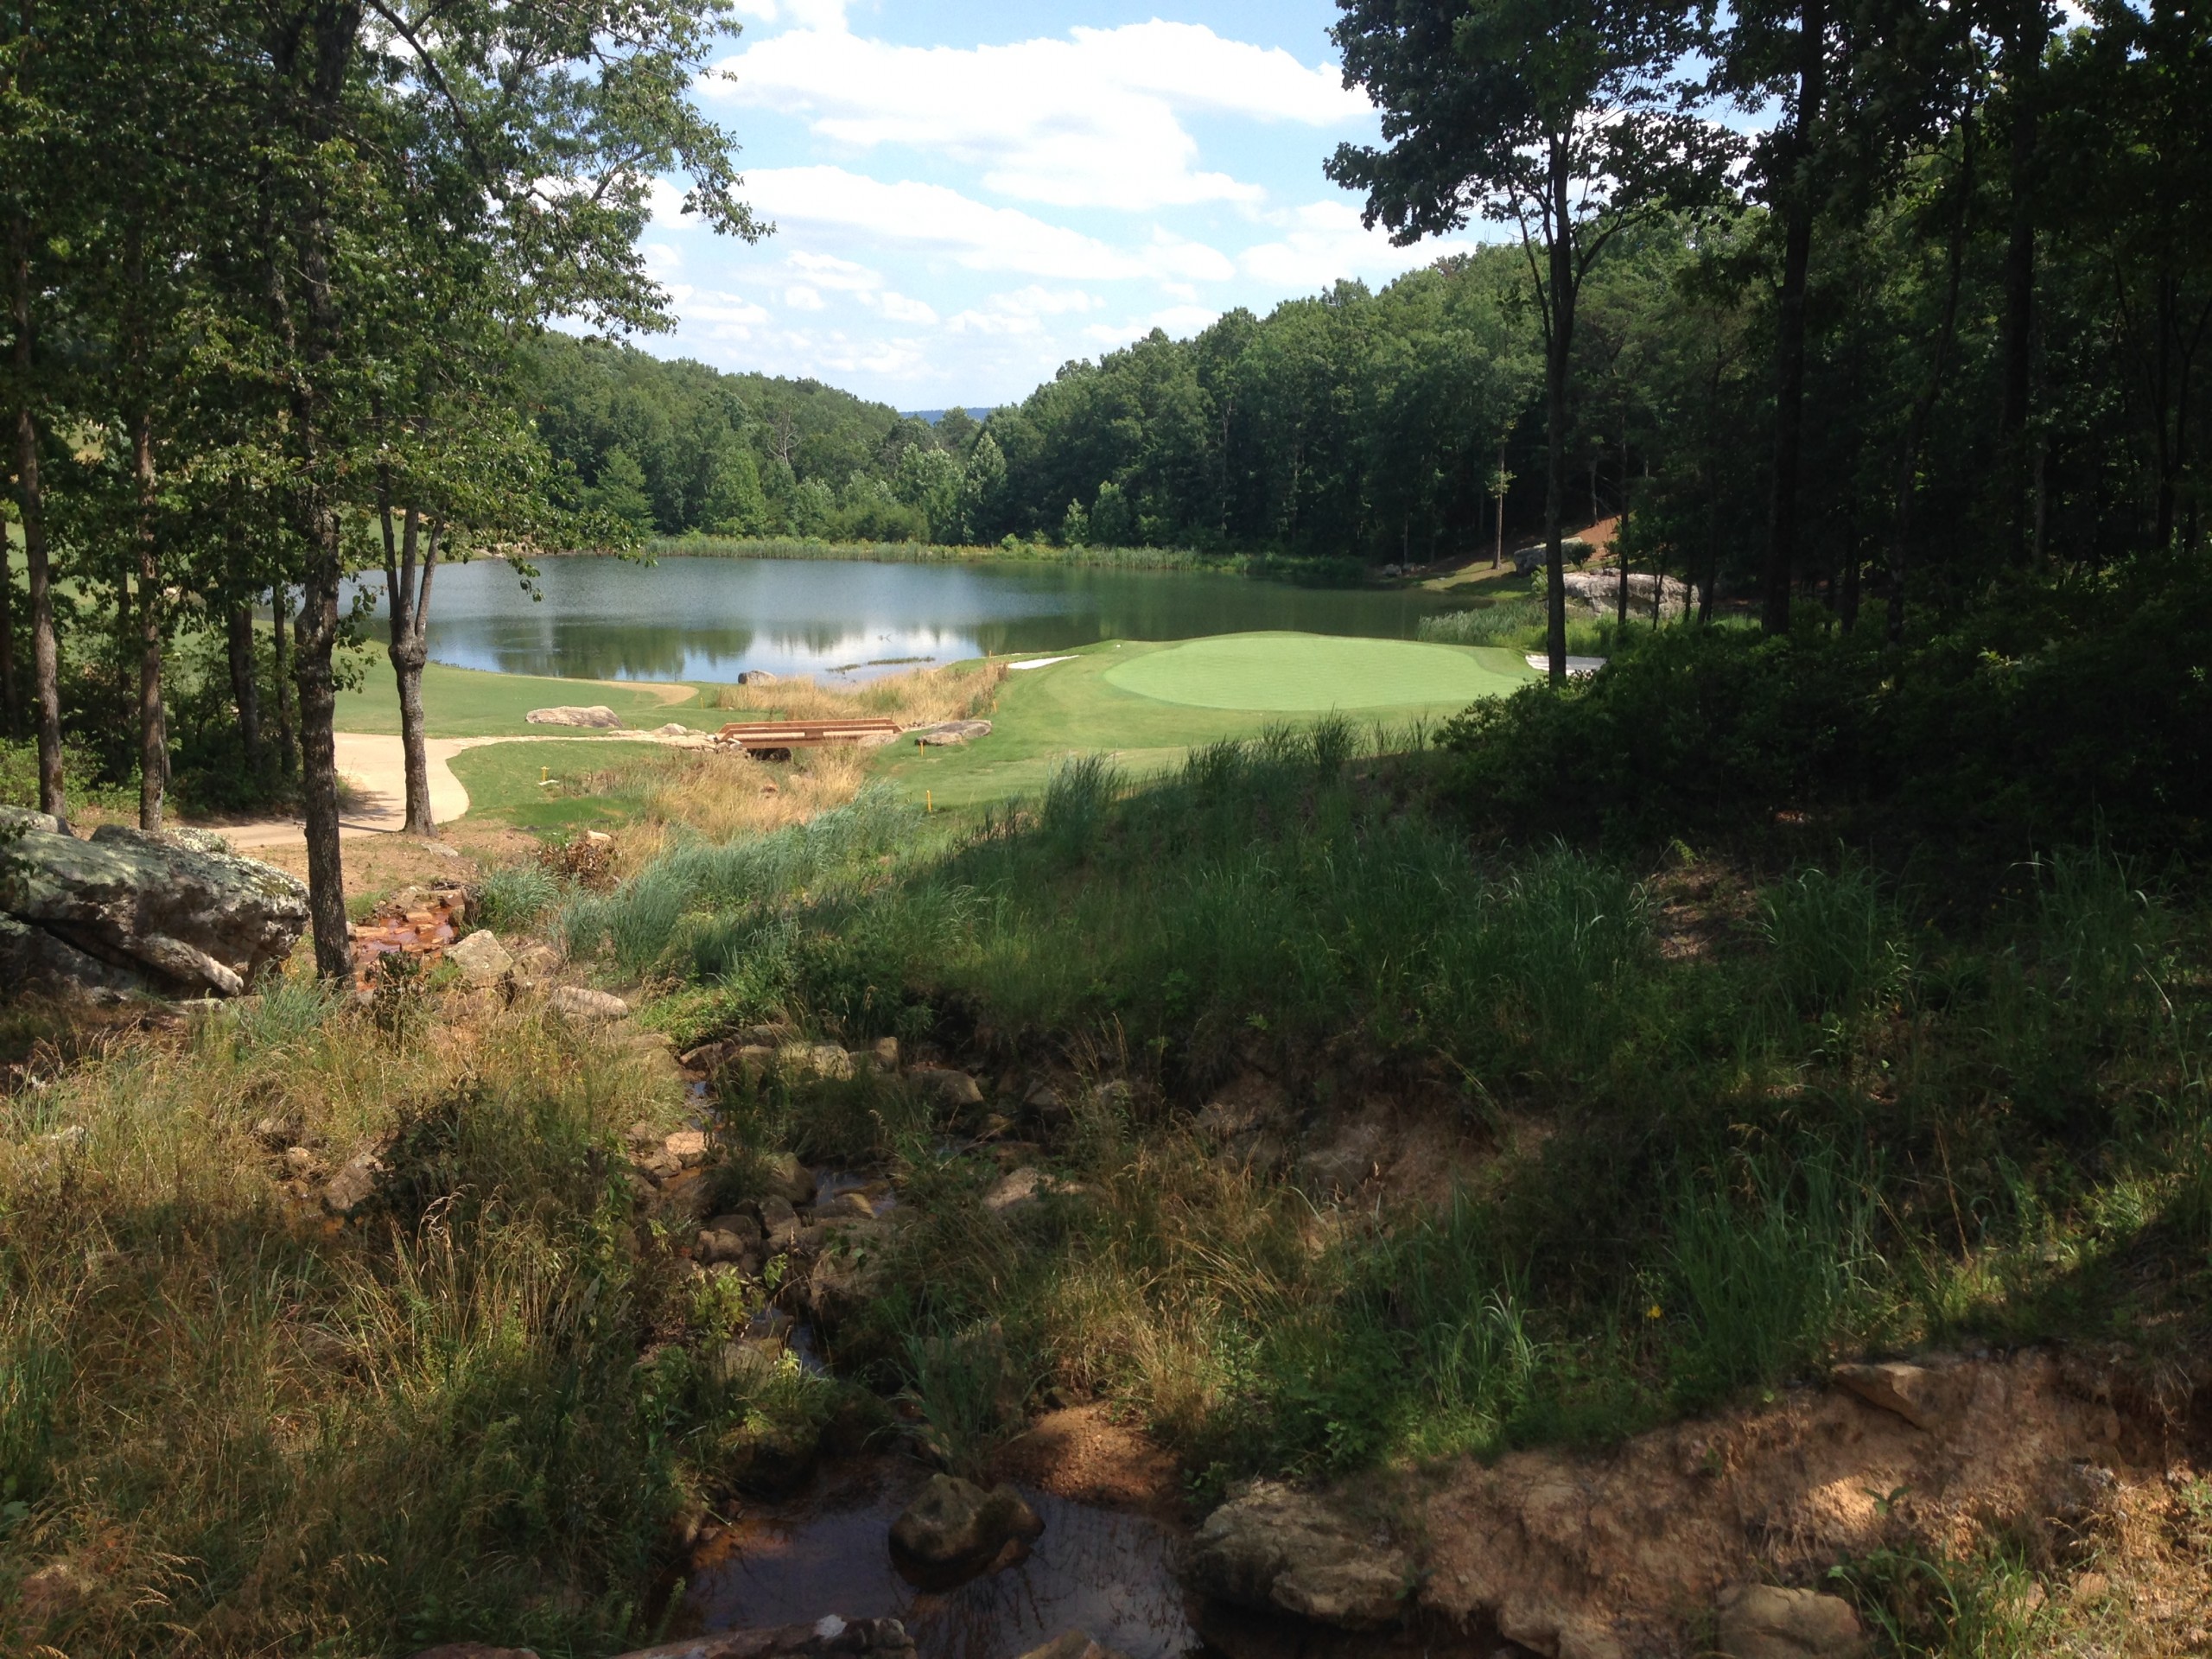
x,y
1280,1550
1759,1621
955,1529
482,958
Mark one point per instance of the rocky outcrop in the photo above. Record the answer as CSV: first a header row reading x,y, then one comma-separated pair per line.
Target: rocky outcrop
x,y
1603,1556
1277,1550
955,1529
597,717
163,915
1760,1621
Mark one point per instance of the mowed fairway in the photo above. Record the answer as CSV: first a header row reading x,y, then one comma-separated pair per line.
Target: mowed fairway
x,y
1148,704
1304,673
469,703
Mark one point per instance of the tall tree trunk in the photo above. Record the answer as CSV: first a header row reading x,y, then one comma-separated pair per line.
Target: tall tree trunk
x,y
316,635
1924,407
245,685
408,597
1620,535
280,609
2022,65
11,708
153,720
46,652
311,334
1790,318
1559,338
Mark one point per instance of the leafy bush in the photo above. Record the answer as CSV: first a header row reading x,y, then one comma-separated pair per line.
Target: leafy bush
x,y
2057,717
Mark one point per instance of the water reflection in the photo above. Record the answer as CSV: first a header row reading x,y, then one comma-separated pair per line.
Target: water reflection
x,y
714,619
1097,1570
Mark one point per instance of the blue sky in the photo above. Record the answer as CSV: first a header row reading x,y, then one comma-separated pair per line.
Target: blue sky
x,y
967,195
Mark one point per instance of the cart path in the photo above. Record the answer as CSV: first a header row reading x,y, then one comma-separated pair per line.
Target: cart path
x,y
375,767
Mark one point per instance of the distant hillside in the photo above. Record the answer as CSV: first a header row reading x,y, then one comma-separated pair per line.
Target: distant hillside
x,y
677,445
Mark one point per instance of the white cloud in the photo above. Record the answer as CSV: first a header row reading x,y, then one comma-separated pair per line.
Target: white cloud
x,y
1177,321
1325,240
1093,120
1021,311
930,219
800,297
898,308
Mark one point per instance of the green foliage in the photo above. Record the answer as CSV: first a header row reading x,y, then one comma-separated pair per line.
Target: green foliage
x,y
2063,715
511,898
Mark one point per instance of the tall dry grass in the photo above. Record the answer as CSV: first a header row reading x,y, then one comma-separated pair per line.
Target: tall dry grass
x,y
230,1425
721,797
920,698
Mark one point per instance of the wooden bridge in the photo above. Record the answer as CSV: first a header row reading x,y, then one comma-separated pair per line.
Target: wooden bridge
x,y
782,736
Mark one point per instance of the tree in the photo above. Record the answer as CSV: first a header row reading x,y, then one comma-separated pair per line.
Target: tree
x,y
560,116
1564,117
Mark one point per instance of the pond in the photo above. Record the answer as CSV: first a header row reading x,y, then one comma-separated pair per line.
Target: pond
x,y
713,619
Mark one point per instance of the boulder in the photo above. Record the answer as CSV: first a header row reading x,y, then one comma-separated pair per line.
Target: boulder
x,y
673,729
598,716
956,1528
1922,1395
756,676
1759,1621
1024,1191
787,1177
950,1088
947,733
778,1224
482,958
821,1062
579,1003
150,914
883,1055
1280,1551
355,1183
687,1147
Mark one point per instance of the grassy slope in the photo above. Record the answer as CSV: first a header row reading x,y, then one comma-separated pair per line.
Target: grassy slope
x,y
502,782
1046,714
469,702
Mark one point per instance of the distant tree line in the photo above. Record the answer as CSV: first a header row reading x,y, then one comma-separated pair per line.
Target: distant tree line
x,y
1991,360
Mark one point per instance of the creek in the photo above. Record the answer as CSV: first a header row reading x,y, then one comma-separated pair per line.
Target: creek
x,y
1105,1572
713,619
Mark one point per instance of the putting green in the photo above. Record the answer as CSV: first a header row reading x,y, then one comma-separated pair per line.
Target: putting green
x,y
1306,673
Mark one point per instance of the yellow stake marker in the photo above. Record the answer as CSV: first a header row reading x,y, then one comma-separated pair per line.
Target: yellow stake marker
x,y
928,805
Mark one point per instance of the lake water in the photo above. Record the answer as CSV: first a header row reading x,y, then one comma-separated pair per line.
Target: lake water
x,y
715,619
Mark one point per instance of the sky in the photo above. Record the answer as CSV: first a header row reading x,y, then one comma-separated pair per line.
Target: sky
x,y
968,194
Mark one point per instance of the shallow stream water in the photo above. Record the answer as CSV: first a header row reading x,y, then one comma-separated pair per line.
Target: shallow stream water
x,y
1101,1571
713,619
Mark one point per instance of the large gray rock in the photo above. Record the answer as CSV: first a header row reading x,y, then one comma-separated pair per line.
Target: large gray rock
x,y
954,1526
1281,1551
597,715
162,915
1759,1621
